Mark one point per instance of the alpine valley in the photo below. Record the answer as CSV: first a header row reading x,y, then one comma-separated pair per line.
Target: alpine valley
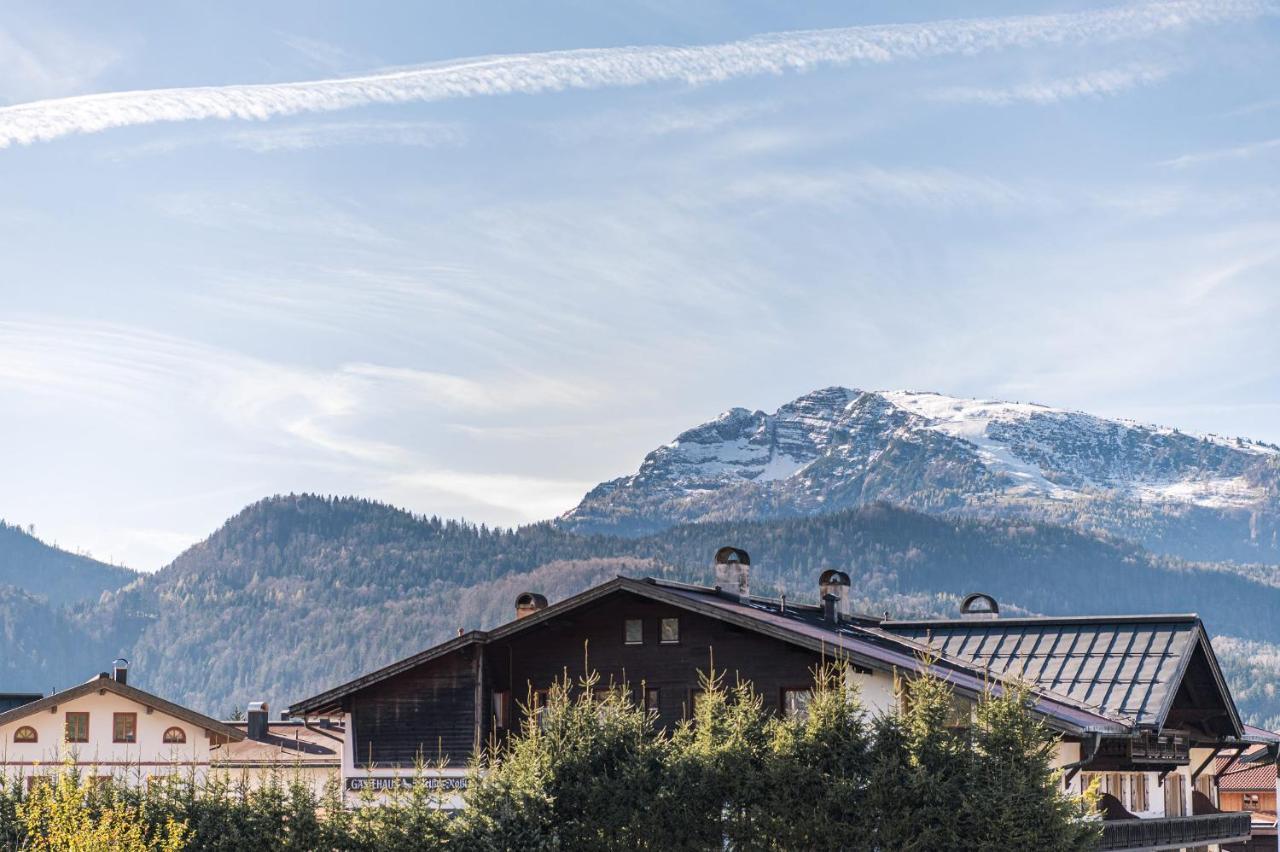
x,y
921,498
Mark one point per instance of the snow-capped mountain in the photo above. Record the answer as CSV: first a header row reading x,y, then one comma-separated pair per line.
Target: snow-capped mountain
x,y
1201,496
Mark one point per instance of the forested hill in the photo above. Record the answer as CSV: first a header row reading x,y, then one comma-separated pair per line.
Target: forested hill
x,y
296,594
59,577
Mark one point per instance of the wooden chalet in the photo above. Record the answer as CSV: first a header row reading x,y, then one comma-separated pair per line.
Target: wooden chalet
x,y
1140,702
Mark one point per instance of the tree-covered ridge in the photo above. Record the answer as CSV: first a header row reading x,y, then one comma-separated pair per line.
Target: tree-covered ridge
x,y
48,572
299,593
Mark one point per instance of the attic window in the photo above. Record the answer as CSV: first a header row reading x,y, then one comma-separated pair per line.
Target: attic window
x,y
670,634
175,736
26,734
633,631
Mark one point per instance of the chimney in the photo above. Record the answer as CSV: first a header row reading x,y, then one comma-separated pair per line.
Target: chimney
x,y
835,584
978,605
733,573
528,603
830,608
258,718
120,671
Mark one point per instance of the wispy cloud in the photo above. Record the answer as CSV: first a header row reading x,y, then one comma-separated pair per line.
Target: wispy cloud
x,y
625,66
938,189
38,63
305,137
322,415
1095,84
1236,152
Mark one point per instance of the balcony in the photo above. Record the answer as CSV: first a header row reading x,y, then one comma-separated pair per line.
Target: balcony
x,y
1173,832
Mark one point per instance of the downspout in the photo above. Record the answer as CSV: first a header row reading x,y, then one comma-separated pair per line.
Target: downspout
x,y
1073,768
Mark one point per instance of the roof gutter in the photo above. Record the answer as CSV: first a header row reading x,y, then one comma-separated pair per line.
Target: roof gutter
x,y
1073,768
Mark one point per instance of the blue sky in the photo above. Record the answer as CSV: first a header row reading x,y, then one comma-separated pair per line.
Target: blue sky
x,y
476,288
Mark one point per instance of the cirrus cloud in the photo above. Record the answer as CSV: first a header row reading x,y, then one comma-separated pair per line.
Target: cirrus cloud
x,y
772,53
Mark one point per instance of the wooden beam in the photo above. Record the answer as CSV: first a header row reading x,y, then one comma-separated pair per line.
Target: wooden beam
x,y
1210,759
1230,763
479,693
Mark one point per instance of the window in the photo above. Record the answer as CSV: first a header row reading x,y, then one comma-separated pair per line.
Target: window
x,y
1138,792
652,701
1131,789
124,727
670,631
695,696
633,631
26,734
77,727
501,709
795,702
175,736
539,708
1250,801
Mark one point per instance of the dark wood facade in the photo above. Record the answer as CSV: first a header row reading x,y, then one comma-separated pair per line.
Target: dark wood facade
x,y
430,709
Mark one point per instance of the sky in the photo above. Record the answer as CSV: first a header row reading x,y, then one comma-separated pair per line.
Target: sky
x,y
472,258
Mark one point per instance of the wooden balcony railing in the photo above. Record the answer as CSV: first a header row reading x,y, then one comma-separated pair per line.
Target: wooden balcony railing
x,y
1173,832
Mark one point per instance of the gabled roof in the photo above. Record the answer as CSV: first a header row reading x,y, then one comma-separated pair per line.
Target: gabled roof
x,y
1132,666
798,625
1245,776
105,683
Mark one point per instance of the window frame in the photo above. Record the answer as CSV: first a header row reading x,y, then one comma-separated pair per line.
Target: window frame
x,y
66,722
626,626
695,692
662,629
784,709
132,737
35,735
182,733
501,709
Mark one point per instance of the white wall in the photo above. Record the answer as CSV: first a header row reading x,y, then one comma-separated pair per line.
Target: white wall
x,y
149,755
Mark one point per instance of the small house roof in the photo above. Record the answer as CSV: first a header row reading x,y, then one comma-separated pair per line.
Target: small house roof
x,y
105,683
287,743
1130,665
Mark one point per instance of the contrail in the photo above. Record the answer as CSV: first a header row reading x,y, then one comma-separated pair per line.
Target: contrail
x,y
625,66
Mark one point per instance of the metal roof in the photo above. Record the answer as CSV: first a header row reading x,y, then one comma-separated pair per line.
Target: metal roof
x,y
1131,667
877,649
1106,674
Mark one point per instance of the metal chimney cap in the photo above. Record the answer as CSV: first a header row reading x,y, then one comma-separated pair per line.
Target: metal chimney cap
x,y
258,707
979,605
730,555
532,599
832,577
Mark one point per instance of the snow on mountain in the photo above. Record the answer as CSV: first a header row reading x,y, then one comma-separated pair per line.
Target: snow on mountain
x,y
838,447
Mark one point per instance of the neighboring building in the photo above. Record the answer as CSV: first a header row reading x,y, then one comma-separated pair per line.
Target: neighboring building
x,y
1139,700
104,727
289,749
1247,782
